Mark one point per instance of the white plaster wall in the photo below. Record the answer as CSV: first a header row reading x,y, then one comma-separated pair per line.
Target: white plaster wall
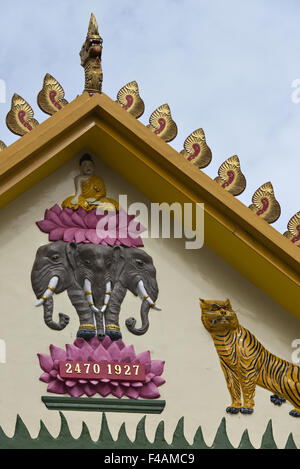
x,y
195,387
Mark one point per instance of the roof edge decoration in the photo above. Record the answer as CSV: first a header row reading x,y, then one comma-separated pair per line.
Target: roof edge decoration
x,y
241,235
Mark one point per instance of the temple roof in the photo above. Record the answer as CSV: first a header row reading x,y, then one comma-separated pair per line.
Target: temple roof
x,y
141,155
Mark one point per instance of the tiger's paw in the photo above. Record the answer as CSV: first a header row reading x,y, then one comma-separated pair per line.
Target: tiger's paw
x,y
277,400
232,410
246,410
295,413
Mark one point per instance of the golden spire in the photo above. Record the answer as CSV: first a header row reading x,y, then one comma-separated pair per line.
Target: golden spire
x,y
90,55
93,26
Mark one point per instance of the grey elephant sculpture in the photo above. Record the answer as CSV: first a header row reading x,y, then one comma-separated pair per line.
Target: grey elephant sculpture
x,y
131,269
96,279
53,272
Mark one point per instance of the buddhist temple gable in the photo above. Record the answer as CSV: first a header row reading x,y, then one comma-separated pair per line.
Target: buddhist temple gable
x,y
100,125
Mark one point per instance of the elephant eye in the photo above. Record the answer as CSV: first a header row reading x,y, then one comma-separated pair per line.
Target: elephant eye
x,y
54,257
87,261
139,262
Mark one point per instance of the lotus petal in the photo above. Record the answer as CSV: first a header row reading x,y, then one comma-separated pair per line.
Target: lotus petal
x,y
56,209
69,234
80,236
57,387
49,215
57,234
57,353
46,225
118,392
45,377
66,219
89,390
73,352
75,391
158,380
143,357
149,391
78,220
114,352
103,389
101,355
157,367
131,393
127,354
70,383
46,362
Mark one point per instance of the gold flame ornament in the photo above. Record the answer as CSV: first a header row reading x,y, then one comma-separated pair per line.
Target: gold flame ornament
x,y
20,118
264,203
196,150
293,232
2,145
230,176
90,55
129,98
162,124
51,98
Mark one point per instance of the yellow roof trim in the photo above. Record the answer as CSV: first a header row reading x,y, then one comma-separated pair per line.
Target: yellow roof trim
x,y
234,232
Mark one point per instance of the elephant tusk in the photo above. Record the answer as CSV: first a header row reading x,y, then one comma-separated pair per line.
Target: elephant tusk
x,y
144,296
107,297
49,292
89,295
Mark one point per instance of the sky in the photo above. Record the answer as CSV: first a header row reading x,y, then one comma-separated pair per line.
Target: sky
x,y
225,66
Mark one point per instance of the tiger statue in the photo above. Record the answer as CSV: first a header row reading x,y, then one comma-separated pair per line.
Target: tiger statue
x,y
246,363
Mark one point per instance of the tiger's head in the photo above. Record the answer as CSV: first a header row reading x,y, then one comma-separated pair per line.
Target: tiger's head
x,y
218,316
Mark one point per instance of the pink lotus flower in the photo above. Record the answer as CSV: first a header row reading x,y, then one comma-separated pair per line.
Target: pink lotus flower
x,y
91,227
101,351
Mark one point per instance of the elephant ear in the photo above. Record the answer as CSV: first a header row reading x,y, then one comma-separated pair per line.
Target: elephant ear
x,y
72,252
118,261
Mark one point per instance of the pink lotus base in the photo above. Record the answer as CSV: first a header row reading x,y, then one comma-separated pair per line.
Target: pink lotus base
x,y
101,351
80,226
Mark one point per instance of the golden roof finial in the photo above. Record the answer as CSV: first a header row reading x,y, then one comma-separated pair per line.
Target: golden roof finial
x,y
93,26
90,55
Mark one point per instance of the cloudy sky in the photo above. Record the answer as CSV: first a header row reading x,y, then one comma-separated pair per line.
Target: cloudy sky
x,y
226,66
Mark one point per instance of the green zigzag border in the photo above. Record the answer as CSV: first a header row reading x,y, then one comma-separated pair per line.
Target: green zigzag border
x,y
65,440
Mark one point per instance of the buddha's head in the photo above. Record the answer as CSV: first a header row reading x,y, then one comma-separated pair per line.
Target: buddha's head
x,y
87,166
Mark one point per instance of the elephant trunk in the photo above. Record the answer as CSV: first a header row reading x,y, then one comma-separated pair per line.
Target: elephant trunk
x,y
48,316
131,322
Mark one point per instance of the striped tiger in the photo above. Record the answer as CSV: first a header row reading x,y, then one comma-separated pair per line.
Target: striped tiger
x,y
246,363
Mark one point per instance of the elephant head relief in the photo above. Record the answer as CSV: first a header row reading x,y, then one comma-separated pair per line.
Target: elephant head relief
x,y
91,264
132,269
53,273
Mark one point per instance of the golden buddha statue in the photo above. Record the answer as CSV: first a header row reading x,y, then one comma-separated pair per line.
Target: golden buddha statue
x,y
90,192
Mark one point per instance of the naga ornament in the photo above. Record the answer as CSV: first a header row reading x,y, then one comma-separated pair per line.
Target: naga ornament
x,y
230,176
90,55
51,97
162,124
264,203
293,227
129,98
196,149
20,118
2,145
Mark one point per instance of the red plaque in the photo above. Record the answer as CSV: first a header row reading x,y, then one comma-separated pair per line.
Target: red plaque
x,y
111,371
